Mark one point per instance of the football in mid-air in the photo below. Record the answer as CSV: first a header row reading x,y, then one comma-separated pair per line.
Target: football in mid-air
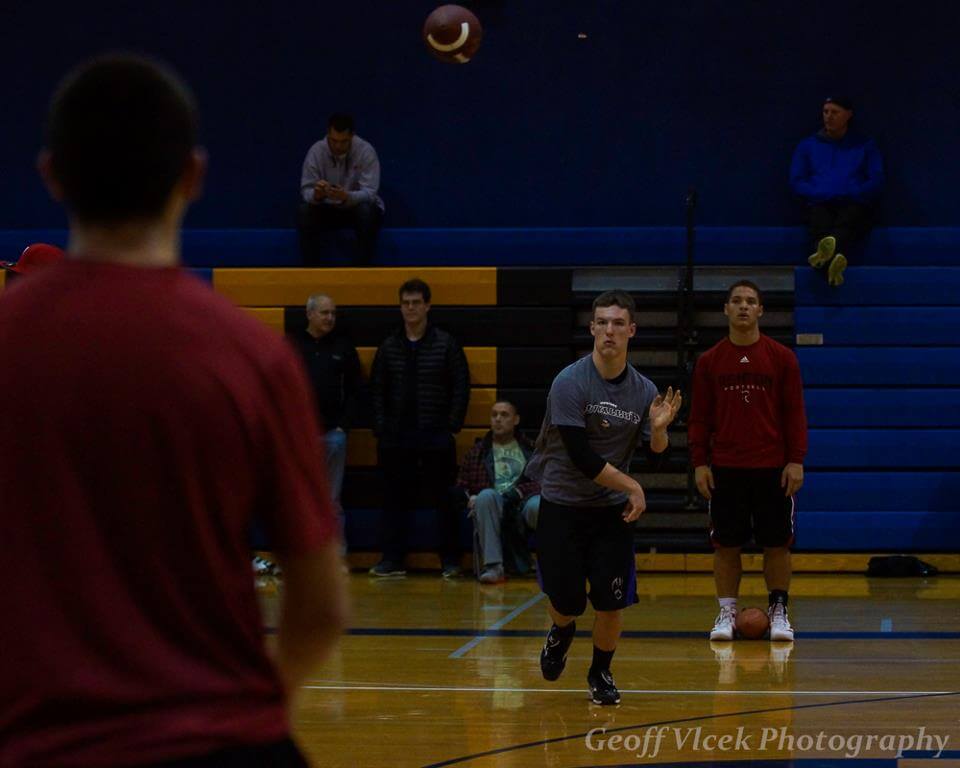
x,y
452,34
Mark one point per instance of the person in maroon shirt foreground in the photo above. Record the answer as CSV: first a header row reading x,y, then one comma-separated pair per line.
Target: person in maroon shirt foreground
x,y
149,422
748,437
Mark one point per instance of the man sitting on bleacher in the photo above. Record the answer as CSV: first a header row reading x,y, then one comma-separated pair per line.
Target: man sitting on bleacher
x,y
502,501
338,189
420,384
838,174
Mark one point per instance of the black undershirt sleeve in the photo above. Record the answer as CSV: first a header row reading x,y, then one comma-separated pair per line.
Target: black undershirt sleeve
x,y
656,461
581,454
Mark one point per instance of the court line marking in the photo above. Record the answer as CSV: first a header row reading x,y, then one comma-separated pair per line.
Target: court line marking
x,y
810,660
627,634
638,691
693,719
497,625
495,631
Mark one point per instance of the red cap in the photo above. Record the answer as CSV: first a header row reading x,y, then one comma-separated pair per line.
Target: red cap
x,y
34,257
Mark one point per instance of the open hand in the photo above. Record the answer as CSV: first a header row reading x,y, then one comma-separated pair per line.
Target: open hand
x,y
664,409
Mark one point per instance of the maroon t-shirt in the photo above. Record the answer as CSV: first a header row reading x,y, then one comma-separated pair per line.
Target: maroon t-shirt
x,y
747,407
146,422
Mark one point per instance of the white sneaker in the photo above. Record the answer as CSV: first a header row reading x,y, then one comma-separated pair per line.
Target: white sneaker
x,y
780,628
725,624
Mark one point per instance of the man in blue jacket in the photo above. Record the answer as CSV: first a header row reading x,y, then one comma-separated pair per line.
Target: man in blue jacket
x,y
839,175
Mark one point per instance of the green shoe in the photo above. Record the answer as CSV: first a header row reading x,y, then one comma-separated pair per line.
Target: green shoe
x,y
835,270
825,250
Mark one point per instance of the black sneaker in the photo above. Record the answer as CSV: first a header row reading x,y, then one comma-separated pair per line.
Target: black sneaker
x,y
602,687
553,657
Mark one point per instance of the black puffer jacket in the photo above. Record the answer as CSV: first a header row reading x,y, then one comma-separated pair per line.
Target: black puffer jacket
x,y
443,383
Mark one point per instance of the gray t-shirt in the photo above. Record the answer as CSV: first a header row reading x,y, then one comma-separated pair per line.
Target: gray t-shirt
x,y
616,417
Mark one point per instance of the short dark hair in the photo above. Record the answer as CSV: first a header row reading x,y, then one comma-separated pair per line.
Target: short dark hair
x,y
120,129
745,284
504,401
615,299
415,285
341,121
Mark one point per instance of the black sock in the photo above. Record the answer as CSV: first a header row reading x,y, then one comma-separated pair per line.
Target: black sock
x,y
779,596
601,660
566,632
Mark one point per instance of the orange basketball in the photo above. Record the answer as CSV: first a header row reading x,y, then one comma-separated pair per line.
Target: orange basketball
x,y
452,34
752,624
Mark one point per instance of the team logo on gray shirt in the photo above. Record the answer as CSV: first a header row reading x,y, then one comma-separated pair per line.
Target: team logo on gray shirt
x,y
605,408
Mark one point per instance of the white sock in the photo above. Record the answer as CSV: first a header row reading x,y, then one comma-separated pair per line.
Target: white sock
x,y
727,602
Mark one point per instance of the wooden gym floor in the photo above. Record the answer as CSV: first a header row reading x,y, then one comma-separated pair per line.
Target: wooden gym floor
x,y
437,673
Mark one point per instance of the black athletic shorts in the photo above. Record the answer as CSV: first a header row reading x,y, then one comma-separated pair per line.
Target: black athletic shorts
x,y
749,503
580,544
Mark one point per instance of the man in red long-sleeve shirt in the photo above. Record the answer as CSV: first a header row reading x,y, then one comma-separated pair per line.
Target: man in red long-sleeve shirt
x,y
748,437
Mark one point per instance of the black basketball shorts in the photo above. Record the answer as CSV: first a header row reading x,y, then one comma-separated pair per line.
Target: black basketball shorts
x,y
750,503
576,545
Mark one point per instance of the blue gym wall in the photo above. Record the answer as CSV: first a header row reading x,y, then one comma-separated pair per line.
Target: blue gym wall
x,y
542,128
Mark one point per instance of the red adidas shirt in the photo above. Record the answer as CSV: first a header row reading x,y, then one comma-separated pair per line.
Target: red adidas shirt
x,y
146,423
747,407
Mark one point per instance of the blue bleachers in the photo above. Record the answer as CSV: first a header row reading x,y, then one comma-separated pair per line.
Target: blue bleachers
x,y
882,393
882,407
880,491
870,531
881,326
883,397
882,448
880,367
555,246
881,286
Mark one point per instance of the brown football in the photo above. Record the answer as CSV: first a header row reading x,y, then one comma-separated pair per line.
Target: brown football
x,y
452,34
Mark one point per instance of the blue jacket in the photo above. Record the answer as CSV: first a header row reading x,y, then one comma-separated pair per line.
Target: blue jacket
x,y
825,169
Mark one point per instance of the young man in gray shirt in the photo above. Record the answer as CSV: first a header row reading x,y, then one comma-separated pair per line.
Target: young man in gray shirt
x,y
599,411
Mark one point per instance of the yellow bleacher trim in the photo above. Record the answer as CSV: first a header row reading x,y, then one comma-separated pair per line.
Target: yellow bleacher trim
x,y
478,412
359,287
269,316
362,446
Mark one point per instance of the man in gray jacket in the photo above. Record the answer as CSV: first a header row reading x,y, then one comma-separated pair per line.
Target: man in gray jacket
x,y
338,190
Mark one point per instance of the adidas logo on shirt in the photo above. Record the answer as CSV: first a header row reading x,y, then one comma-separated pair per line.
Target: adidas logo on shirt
x,y
744,359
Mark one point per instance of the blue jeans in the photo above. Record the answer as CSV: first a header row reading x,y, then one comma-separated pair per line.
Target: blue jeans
x,y
335,448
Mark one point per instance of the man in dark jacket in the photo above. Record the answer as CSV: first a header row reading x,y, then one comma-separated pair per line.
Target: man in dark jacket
x,y
421,387
333,367
839,175
503,502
